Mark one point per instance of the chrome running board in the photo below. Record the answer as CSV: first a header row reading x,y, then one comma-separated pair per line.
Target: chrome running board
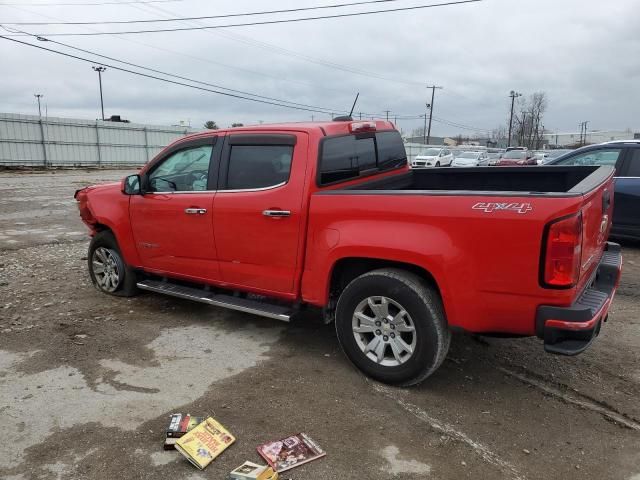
x,y
255,307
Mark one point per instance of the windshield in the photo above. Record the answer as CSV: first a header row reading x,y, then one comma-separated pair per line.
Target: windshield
x,y
515,155
431,152
473,155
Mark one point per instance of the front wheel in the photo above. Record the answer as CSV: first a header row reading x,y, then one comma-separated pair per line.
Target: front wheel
x,y
437,164
107,269
391,325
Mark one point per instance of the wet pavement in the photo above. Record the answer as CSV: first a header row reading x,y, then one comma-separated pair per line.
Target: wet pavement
x,y
87,381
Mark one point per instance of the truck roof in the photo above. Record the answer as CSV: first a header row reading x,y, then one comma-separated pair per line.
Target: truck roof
x,y
341,127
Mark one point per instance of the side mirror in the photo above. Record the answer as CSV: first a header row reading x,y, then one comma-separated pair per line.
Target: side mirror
x,y
131,185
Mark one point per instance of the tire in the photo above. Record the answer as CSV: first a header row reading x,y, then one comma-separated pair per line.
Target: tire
x,y
404,291
107,269
437,164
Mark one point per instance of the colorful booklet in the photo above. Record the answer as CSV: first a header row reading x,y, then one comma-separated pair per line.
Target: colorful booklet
x,y
290,452
204,443
253,471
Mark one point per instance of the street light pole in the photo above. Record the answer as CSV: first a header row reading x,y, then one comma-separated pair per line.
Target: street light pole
x,y
39,96
513,96
100,70
424,130
433,93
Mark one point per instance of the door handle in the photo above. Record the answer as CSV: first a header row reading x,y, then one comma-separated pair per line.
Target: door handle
x,y
195,211
276,213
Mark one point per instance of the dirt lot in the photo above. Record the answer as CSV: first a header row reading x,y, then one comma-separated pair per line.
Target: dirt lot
x,y
87,381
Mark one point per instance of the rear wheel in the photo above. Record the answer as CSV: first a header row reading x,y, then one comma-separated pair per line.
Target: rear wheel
x,y
107,269
391,325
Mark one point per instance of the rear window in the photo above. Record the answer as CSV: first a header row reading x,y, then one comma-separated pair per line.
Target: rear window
x,y
349,156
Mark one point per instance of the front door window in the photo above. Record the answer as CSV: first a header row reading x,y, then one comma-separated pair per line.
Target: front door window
x,y
184,171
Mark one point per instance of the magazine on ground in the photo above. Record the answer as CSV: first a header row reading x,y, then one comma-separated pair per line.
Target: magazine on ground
x,y
290,452
204,443
253,471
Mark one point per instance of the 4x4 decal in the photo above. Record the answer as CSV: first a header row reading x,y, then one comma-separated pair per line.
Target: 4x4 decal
x,y
490,207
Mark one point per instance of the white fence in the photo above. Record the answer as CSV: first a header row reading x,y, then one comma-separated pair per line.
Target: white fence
x,y
27,140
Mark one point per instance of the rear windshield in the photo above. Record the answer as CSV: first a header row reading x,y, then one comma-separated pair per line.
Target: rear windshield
x,y
349,156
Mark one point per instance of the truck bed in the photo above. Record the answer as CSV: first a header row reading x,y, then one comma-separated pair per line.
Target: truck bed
x,y
478,231
539,180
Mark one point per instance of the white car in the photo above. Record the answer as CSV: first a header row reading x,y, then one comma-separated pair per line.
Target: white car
x,y
470,159
433,157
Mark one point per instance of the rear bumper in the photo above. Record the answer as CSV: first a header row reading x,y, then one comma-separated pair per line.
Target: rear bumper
x,y
570,330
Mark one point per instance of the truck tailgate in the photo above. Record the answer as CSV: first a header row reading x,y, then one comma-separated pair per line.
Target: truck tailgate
x,y
597,213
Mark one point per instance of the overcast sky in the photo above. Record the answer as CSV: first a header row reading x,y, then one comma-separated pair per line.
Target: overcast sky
x,y
583,53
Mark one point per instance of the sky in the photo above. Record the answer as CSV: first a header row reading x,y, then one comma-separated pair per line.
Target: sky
x,y
582,53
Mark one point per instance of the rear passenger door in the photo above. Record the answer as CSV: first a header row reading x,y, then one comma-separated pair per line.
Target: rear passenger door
x,y
258,210
627,200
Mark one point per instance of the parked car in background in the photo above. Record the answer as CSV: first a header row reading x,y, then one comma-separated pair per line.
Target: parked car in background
x,y
540,156
493,158
470,159
517,157
625,157
433,157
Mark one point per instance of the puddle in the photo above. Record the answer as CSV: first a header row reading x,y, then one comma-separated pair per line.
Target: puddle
x,y
188,359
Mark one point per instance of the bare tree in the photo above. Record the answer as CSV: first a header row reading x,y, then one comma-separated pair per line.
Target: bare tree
x,y
499,134
527,121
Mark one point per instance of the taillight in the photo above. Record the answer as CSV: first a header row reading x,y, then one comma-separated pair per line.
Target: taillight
x,y
562,254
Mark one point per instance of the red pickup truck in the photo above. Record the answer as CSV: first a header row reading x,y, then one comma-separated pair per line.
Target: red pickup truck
x,y
275,218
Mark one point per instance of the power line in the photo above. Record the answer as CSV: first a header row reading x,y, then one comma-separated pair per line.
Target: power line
x,y
176,75
285,52
270,22
181,54
230,92
207,17
85,4
133,72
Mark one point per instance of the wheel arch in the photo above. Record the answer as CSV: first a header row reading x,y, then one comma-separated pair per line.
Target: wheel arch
x,y
346,269
123,238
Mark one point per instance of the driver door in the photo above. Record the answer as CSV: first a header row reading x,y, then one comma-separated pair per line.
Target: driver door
x,y
172,221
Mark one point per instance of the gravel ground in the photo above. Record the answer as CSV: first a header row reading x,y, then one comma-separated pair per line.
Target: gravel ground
x,y
87,381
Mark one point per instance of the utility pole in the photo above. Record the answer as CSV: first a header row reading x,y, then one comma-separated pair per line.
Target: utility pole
x,y
39,96
424,130
387,112
100,70
581,129
433,93
583,139
513,94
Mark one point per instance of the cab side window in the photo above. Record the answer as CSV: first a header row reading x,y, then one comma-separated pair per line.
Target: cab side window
x,y
184,171
258,166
